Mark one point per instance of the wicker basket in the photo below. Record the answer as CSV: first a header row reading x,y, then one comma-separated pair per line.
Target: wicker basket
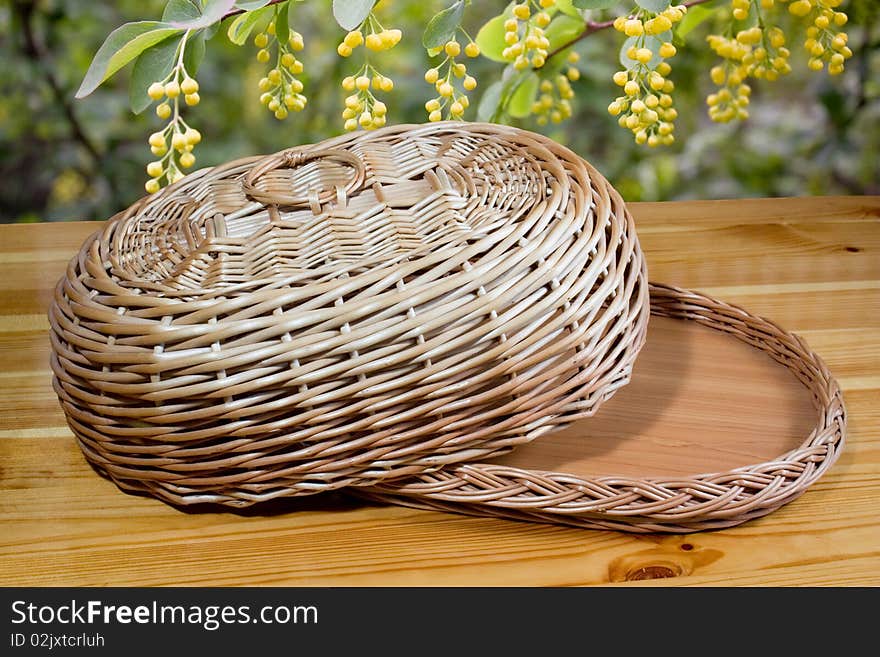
x,y
676,504
343,314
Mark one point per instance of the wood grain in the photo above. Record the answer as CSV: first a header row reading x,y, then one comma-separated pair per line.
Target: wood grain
x,y
811,264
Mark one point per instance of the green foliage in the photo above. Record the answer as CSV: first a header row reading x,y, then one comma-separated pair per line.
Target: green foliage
x,y
490,38
153,64
655,6
123,45
351,13
808,133
443,26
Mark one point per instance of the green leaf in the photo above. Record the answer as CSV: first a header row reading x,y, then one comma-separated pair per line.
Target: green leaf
x,y
244,24
563,29
694,16
121,46
655,6
194,52
489,101
282,24
652,42
181,10
520,105
250,5
442,27
567,7
594,4
351,13
151,66
211,12
490,38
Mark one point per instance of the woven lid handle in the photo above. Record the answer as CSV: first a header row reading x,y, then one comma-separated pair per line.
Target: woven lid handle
x,y
329,160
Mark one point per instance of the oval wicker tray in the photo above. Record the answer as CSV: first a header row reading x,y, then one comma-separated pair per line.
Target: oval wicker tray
x,y
374,306
699,402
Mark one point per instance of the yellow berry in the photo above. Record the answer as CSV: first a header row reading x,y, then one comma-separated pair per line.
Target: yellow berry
x,y
296,67
152,186
281,113
365,119
434,116
472,50
163,111
374,42
456,109
157,139
840,19
265,98
663,68
469,83
296,41
178,141
392,37
800,8
351,124
156,91
614,108
271,28
620,78
287,60
261,40
445,89
155,169
192,99
187,160
192,136
263,56
432,75
432,105
265,84
511,25
379,108
189,86
633,27
274,105
453,49
631,88
296,86
667,50
362,82
573,74
459,69
343,50
387,84
274,76
353,39
644,55
172,89
348,83
542,19
522,11
637,106
547,3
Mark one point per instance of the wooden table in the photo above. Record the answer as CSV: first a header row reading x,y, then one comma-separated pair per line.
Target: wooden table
x,y
811,264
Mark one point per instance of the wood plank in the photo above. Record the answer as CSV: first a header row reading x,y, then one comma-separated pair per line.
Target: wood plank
x,y
791,260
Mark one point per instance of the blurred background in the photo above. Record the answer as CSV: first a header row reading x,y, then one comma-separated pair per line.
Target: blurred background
x,y
63,160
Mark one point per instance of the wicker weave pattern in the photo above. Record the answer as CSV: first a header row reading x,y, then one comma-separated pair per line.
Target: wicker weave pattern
x,y
708,501
372,307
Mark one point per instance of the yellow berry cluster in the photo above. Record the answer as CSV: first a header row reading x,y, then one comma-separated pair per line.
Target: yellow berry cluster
x,y
281,88
362,108
526,43
554,102
758,51
443,77
825,43
645,107
180,136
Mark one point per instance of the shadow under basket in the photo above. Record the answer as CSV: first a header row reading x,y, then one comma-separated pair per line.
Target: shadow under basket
x,y
715,390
